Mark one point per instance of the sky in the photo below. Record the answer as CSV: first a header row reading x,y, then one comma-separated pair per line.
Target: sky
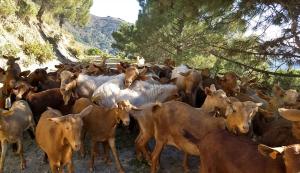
x,y
124,9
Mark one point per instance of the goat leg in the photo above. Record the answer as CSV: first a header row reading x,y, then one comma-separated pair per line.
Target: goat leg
x,y
3,152
186,162
137,147
53,167
112,145
45,159
70,167
93,155
106,152
82,149
156,155
20,152
142,147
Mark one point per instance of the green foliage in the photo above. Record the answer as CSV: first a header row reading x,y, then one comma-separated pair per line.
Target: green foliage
x,y
41,52
9,50
93,51
7,7
76,52
21,38
124,39
10,27
27,8
74,11
201,62
98,32
55,38
286,82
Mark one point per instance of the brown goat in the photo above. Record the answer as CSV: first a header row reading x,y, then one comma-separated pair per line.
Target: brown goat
x,y
189,83
101,125
12,124
41,100
215,99
171,117
58,136
226,153
229,83
294,116
239,116
289,154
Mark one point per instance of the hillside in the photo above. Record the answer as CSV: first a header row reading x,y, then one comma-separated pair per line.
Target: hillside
x,y
24,39
97,33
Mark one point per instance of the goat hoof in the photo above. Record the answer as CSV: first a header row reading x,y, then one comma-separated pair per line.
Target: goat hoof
x,y
139,157
92,169
186,170
107,161
149,162
82,155
23,165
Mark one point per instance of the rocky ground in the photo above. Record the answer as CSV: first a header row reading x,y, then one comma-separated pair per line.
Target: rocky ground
x,y
171,159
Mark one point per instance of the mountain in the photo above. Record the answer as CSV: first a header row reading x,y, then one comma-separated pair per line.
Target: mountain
x,y
97,33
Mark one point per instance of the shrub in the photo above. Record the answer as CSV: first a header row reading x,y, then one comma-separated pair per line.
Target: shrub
x,y
21,38
56,38
27,9
7,7
10,28
93,51
9,50
75,51
41,52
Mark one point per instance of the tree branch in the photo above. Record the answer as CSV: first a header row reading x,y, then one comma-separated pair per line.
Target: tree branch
x,y
255,69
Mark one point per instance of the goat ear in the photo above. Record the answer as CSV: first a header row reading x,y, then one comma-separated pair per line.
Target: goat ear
x,y
71,85
207,91
260,94
7,113
156,107
142,77
229,110
24,73
57,119
34,89
143,72
270,152
265,113
120,68
173,80
290,114
213,88
259,104
135,108
74,76
186,73
86,111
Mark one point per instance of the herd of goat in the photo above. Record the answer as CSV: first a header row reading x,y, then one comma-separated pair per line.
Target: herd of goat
x,y
232,125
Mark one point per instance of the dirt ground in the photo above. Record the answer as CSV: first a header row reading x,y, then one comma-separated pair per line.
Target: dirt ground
x,y
171,159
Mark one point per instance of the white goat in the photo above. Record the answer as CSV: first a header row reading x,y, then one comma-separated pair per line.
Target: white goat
x,y
177,70
83,85
141,92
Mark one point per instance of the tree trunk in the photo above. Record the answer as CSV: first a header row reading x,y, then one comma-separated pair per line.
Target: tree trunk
x,y
41,12
61,20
